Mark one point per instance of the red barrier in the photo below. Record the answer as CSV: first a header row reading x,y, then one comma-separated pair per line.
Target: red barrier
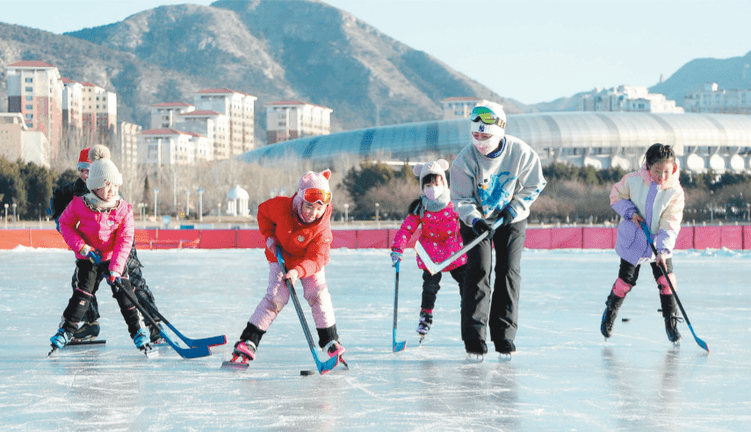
x,y
701,237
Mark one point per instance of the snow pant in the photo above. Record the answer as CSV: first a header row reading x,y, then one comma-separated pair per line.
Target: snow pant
x,y
315,291
134,274
88,275
431,285
478,309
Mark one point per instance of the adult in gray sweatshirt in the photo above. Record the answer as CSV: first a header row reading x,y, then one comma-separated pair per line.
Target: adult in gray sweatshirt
x,y
494,181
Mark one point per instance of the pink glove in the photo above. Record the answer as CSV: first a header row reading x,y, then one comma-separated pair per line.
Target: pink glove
x,y
271,243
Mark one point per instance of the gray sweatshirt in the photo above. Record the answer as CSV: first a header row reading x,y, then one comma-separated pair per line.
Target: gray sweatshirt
x,y
481,187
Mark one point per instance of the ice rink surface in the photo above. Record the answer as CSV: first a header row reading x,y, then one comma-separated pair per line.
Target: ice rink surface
x,y
564,377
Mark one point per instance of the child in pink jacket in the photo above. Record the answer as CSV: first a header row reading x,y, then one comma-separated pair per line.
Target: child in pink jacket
x,y
99,228
440,235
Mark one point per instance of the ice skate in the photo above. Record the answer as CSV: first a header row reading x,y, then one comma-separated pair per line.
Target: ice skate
x,y
59,340
426,320
613,303
335,349
504,349
476,350
87,332
142,341
670,314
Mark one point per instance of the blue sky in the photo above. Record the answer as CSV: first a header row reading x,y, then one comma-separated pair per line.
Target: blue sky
x,y
532,51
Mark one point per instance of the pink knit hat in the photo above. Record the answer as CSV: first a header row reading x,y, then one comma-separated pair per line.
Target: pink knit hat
x,y
312,180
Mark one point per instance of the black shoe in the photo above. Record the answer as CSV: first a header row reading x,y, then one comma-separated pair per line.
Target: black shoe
x,y
476,347
87,331
613,303
505,346
156,334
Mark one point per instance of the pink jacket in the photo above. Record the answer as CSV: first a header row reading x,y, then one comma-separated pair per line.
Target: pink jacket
x,y
440,236
109,232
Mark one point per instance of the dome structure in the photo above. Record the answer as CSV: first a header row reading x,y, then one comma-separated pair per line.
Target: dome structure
x,y
237,202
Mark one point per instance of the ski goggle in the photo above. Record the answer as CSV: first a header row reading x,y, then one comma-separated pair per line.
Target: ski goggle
x,y
486,116
313,195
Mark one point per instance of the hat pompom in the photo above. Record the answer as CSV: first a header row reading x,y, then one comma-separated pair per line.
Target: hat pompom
x,y
99,152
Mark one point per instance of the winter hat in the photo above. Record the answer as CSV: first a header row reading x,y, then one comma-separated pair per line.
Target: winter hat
x,y
99,152
498,130
311,180
84,162
438,167
103,172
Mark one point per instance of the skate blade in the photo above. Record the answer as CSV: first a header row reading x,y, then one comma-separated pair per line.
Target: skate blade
x,y
504,357
232,365
475,358
80,342
149,351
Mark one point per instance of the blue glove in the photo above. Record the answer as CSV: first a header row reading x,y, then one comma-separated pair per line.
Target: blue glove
x,y
91,254
57,224
507,216
480,226
114,279
395,258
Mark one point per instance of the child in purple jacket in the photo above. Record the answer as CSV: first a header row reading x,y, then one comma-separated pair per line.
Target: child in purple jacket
x,y
440,234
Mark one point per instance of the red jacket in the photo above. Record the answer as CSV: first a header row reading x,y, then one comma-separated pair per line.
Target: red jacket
x,y
305,246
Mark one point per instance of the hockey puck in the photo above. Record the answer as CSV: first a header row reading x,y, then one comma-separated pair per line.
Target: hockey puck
x,y
307,372
625,319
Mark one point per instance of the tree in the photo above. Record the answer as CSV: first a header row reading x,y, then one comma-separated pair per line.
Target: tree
x,y
39,182
11,184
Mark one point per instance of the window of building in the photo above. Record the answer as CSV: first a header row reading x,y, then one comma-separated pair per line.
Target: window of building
x,y
29,98
28,107
29,116
29,80
28,89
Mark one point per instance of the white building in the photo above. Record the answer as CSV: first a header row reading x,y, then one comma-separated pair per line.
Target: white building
x,y
626,98
210,124
99,114
710,98
460,107
163,115
17,141
288,120
240,108
161,147
125,149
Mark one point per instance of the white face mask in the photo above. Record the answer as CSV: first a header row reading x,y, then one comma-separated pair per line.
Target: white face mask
x,y
433,192
488,145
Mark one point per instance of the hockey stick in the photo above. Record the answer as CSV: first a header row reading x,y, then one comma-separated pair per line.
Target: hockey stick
x,y
675,294
332,362
434,268
191,352
209,341
396,346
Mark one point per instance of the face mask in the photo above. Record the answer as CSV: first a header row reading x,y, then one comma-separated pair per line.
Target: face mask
x,y
488,145
433,192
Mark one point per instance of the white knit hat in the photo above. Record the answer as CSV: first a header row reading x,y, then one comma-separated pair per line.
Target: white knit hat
x,y
438,168
103,172
494,129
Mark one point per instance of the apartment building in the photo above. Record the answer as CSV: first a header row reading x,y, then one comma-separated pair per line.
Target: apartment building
x,y
18,142
98,114
710,98
288,120
240,109
125,148
35,90
164,115
626,98
160,147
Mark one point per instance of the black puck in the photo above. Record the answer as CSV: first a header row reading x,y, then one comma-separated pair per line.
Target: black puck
x,y
307,372
625,319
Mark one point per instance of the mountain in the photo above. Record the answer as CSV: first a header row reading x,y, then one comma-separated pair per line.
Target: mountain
x,y
732,73
304,50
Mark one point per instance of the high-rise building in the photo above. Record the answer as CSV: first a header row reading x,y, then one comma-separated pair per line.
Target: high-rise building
x,y
211,124
161,147
164,115
710,98
36,91
18,142
125,149
99,114
288,120
240,108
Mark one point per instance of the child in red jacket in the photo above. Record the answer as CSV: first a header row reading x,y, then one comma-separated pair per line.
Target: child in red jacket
x,y
300,225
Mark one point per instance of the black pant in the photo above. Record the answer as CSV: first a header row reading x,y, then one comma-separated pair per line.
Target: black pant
x,y
478,309
431,285
87,278
629,273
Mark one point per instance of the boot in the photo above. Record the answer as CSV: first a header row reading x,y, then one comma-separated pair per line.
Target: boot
x,y
426,320
88,331
61,338
613,303
245,349
670,314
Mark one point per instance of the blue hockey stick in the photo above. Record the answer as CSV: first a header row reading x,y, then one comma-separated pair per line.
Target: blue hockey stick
x,y
209,341
323,366
672,288
396,346
191,352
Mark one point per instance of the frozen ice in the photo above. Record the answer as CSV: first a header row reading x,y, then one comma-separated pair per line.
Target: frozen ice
x,y
563,377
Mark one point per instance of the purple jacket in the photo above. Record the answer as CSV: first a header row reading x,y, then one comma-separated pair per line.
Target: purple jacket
x,y
440,235
109,232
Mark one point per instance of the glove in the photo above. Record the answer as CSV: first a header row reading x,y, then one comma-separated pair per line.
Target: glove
x,y
91,254
507,216
480,226
114,279
57,224
395,258
271,244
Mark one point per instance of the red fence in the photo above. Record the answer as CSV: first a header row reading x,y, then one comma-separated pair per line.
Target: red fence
x,y
701,237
